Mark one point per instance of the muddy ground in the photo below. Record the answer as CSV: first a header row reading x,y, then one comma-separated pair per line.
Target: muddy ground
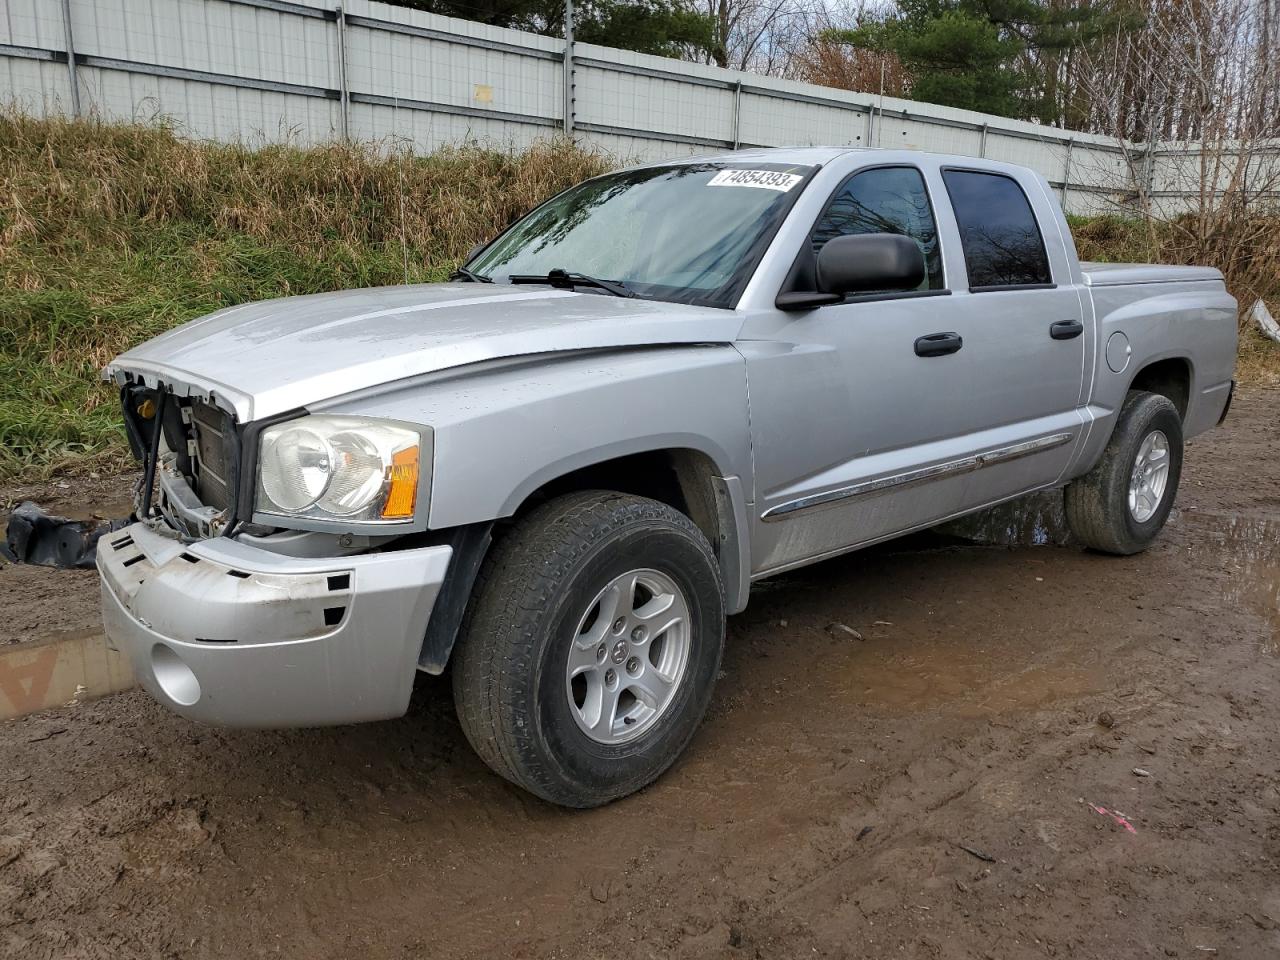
x,y
931,791
35,603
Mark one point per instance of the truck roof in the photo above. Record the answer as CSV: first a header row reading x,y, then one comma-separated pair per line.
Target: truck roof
x,y
825,155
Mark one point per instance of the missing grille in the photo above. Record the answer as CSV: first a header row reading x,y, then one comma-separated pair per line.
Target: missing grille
x,y
212,453
238,573
340,581
333,615
132,560
189,558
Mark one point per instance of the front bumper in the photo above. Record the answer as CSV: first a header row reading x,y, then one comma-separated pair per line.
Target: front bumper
x,y
231,634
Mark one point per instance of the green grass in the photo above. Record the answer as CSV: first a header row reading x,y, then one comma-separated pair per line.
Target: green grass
x,y
111,234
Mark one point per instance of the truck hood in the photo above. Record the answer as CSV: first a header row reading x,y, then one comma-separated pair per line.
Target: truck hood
x,y
261,359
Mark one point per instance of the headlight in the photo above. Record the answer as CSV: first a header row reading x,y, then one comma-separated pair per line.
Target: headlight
x,y
338,468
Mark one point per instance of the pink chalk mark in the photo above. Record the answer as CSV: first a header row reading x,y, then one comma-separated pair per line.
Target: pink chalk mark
x,y
1114,815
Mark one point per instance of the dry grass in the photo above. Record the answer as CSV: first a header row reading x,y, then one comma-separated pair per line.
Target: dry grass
x,y
112,234
1245,248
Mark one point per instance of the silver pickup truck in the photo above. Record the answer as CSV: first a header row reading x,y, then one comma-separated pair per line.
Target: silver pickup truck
x,y
558,472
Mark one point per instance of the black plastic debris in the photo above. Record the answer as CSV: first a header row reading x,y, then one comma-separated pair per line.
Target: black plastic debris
x,y
34,536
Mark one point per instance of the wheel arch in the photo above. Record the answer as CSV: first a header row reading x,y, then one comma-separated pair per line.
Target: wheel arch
x,y
1171,377
685,478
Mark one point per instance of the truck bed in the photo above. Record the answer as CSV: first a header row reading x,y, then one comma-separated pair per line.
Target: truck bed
x,y
1116,274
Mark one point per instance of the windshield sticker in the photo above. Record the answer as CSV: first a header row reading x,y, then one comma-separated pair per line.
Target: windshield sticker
x,y
765,179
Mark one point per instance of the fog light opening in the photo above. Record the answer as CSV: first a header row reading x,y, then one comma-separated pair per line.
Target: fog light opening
x,y
174,677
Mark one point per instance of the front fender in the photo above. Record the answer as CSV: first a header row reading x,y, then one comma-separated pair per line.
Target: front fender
x,y
503,431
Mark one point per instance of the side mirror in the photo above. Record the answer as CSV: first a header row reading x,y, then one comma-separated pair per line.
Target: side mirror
x,y
471,254
870,262
880,262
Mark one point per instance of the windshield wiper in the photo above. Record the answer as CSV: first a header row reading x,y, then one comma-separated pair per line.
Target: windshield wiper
x,y
564,280
462,273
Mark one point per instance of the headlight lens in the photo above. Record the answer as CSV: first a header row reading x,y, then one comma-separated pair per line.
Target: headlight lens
x,y
338,468
297,465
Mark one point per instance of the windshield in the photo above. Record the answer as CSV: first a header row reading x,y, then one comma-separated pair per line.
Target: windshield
x,y
690,233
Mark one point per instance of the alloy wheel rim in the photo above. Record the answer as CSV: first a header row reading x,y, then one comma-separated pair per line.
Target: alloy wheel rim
x,y
1149,477
628,656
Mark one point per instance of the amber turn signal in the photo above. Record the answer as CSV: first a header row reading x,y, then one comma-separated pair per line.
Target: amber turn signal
x,y
403,492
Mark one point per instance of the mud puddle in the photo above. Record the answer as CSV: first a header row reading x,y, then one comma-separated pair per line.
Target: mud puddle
x,y
1248,550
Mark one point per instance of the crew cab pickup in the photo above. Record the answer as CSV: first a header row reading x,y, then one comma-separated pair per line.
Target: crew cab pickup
x,y
559,472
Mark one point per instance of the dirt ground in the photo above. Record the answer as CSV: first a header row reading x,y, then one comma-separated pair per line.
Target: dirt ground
x,y
947,787
37,603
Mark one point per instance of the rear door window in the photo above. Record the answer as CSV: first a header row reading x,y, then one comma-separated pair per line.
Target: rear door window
x,y
1001,239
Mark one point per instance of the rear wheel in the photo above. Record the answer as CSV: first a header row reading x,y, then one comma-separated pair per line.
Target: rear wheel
x,y
1123,502
590,652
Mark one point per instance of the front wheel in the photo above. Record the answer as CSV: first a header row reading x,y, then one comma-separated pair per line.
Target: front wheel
x,y
1123,502
592,646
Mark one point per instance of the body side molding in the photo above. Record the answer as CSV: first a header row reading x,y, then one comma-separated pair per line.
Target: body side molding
x,y
922,475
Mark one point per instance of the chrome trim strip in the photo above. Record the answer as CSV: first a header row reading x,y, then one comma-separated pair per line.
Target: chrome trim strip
x,y
922,475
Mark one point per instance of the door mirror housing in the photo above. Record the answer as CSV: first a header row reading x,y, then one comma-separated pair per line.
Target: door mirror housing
x,y
870,262
865,263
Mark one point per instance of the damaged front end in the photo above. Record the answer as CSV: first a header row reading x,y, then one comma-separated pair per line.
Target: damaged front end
x,y
190,451
228,622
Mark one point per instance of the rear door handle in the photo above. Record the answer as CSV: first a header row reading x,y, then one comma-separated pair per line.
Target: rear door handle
x,y
938,344
1066,329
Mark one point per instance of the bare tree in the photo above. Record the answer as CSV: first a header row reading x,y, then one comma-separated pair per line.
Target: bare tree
x,y
1192,69
833,64
1194,93
764,36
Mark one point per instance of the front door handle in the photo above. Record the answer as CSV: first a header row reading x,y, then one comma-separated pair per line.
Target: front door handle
x,y
938,344
1066,329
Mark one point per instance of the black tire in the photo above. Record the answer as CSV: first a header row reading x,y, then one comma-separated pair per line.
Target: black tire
x,y
537,582
1097,504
